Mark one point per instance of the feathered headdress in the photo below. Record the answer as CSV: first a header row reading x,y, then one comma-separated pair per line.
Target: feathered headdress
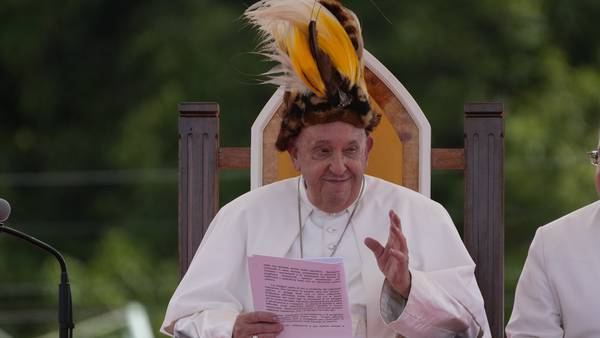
x,y
318,47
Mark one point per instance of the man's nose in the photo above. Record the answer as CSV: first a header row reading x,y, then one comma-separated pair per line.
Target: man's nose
x,y
338,164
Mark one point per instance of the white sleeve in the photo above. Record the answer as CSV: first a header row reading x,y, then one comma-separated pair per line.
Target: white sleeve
x,y
535,312
444,299
215,288
431,311
206,324
391,303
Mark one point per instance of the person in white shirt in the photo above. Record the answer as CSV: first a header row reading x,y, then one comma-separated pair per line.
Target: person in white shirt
x,y
408,272
558,293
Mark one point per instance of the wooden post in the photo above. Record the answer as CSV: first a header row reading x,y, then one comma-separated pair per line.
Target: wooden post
x,y
198,181
484,204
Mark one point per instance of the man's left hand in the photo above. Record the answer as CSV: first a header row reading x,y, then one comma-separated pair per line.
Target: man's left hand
x,y
393,258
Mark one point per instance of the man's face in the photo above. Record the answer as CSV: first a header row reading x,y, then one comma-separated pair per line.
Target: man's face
x,y
332,157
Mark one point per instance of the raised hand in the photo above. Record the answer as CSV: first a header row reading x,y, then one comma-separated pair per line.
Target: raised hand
x,y
393,258
258,323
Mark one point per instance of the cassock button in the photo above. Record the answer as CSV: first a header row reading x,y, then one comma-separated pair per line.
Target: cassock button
x,y
331,246
331,230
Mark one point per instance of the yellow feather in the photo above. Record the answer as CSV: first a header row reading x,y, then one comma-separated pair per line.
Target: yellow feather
x,y
303,62
334,41
286,24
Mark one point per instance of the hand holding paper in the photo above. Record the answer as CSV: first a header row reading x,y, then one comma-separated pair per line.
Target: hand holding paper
x,y
256,323
393,258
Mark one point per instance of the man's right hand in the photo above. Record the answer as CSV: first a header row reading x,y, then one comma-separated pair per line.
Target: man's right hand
x,y
259,323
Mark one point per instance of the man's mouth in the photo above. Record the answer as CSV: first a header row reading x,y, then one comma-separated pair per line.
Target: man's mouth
x,y
336,179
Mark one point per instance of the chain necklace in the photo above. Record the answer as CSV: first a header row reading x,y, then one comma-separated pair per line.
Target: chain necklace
x,y
345,227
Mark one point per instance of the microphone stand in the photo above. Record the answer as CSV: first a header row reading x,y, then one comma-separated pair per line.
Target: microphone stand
x,y
65,307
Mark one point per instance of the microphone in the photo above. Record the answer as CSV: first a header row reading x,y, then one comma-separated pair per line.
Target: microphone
x,y
65,306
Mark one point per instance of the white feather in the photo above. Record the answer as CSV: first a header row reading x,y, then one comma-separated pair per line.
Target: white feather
x,y
274,19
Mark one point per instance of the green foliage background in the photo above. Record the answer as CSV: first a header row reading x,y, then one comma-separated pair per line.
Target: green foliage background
x,y
88,125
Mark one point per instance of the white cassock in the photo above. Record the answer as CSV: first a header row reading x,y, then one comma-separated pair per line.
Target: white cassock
x,y
444,300
558,294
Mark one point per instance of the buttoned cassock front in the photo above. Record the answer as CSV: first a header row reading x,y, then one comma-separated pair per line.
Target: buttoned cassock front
x,y
558,294
444,300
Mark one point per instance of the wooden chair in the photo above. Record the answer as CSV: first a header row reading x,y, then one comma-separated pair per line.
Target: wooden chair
x,y
404,129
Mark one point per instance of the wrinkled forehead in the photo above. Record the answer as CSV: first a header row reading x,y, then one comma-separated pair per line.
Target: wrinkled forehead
x,y
335,133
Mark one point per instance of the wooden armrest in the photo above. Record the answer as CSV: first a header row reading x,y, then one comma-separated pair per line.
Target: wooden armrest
x,y
447,159
234,158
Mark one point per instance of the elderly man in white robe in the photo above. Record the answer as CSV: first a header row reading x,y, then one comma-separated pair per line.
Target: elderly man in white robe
x,y
407,270
558,293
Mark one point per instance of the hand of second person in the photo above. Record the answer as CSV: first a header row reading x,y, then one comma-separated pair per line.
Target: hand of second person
x,y
393,258
258,323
